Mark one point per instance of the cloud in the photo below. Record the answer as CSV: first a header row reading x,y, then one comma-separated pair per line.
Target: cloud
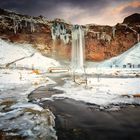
x,y
123,8
51,5
76,11
131,8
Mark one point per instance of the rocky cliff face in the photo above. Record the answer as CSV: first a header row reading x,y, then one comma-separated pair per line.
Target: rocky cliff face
x,y
53,38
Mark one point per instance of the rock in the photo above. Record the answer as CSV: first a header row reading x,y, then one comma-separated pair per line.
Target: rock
x,y
101,42
136,95
132,19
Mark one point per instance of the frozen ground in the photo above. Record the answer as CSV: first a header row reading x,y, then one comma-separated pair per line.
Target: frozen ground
x,y
19,116
103,91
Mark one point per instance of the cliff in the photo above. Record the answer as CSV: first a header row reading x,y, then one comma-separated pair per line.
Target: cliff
x,y
53,38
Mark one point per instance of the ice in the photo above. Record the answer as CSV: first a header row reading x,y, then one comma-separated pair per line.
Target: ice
x,y
32,26
59,31
28,105
33,126
16,113
113,31
103,35
103,91
138,37
17,23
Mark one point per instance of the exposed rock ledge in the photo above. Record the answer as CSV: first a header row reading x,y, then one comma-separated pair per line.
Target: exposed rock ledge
x,y
102,42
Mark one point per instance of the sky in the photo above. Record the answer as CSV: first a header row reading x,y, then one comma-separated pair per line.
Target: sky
x,y
103,12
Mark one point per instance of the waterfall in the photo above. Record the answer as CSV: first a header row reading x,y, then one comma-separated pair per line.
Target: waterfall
x,y
138,37
113,31
78,47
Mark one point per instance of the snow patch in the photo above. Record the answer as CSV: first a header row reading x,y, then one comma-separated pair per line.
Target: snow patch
x,y
16,113
27,105
10,52
128,59
24,56
103,91
37,61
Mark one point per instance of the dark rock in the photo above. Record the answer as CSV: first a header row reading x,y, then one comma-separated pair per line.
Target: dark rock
x,y
132,19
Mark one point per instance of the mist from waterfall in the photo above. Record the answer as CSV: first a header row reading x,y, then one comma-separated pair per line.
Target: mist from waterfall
x,y
78,48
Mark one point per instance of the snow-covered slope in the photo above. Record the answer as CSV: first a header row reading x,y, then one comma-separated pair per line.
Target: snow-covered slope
x,y
23,56
128,59
37,61
10,52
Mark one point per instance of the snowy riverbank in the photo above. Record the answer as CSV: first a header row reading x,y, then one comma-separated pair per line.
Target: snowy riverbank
x,y
17,115
102,91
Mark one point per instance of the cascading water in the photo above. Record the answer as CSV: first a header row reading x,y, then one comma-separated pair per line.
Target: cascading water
x,y
138,37
78,47
59,31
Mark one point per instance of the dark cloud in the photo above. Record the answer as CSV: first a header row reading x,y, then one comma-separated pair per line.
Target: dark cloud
x,y
36,6
73,10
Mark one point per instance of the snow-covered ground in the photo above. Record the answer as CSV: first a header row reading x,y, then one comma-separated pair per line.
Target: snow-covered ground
x,y
121,86
128,59
16,113
9,52
28,119
103,91
114,72
23,56
126,64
